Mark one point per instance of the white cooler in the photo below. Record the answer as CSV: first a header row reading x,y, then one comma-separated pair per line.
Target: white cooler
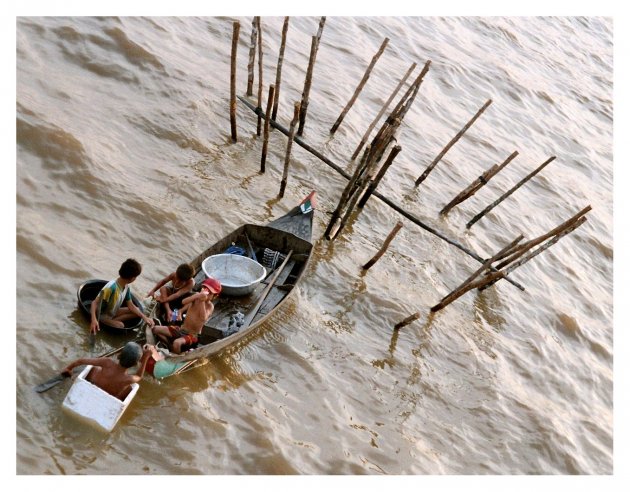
x,y
91,403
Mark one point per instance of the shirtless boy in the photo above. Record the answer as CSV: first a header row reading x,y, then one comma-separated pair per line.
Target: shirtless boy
x,y
170,295
199,308
112,376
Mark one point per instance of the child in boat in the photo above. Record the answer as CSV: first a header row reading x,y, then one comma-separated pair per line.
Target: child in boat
x,y
116,293
112,376
199,308
171,295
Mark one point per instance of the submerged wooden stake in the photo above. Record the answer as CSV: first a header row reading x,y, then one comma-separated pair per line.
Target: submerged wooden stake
x,y
507,194
384,247
359,88
287,157
366,135
270,100
260,74
252,58
285,28
236,27
477,184
426,172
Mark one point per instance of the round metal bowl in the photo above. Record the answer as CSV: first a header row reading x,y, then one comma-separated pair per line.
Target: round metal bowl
x,y
238,275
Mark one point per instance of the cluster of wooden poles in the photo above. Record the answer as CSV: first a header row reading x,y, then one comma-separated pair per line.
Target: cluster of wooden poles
x,y
362,184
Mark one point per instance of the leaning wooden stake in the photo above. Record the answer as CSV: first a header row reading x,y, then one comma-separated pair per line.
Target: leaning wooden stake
x,y
407,320
260,75
346,194
236,27
384,199
477,184
285,28
270,100
426,172
504,273
375,182
320,30
470,282
359,88
517,253
384,247
503,197
307,85
287,157
366,135
252,58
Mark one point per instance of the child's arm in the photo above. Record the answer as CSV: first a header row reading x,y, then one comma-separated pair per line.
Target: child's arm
x,y
81,362
134,309
199,295
157,286
96,305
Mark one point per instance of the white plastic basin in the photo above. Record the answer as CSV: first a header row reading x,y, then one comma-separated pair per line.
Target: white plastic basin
x,y
238,275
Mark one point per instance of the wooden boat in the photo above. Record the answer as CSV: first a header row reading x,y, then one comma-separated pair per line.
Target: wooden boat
x,y
88,291
284,247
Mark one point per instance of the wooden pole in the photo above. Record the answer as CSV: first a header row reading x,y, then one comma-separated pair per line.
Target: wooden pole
x,y
345,196
470,282
287,157
384,199
366,135
384,247
285,28
236,27
503,197
512,256
252,58
407,320
477,184
270,101
260,75
359,88
426,172
320,30
375,182
525,259
307,85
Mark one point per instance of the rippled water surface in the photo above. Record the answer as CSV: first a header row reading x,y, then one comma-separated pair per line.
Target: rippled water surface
x,y
124,150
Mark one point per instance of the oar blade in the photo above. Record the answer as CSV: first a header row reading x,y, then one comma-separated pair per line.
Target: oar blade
x,y
52,382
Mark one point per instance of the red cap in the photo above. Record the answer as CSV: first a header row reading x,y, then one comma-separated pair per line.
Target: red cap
x,y
212,284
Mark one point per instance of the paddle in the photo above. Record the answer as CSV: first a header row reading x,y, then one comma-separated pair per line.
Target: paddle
x,y
254,311
58,378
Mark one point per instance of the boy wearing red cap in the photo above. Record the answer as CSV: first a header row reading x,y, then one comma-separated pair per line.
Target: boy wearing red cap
x,y
199,308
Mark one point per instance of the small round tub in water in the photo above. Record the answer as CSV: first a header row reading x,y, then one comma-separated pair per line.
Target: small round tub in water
x,y
238,275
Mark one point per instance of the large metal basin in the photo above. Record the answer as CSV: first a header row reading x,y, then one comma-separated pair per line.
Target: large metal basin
x,y
238,275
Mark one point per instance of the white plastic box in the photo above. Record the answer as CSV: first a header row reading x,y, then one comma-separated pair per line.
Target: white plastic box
x,y
91,403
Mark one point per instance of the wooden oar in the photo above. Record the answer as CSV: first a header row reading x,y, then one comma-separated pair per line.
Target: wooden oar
x,y
254,311
54,381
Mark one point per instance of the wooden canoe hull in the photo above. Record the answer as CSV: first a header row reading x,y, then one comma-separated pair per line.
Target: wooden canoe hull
x,y
289,234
